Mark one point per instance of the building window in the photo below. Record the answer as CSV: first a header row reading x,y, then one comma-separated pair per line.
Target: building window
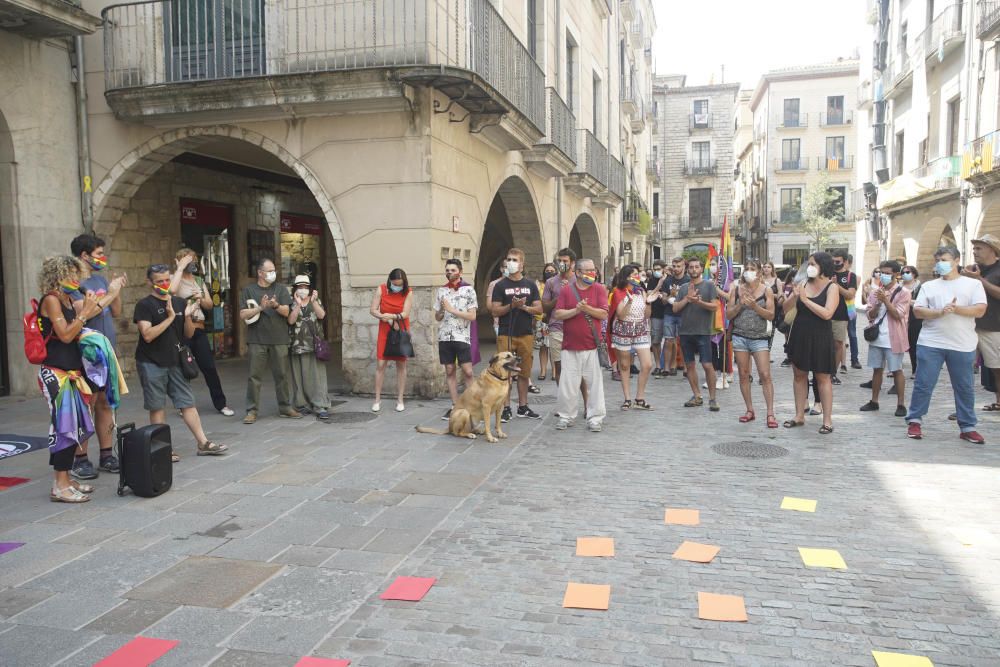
x,y
791,153
621,69
897,154
835,110
794,255
953,111
532,28
597,104
791,205
700,207
835,158
701,154
791,115
903,37
656,204
838,207
571,47
700,110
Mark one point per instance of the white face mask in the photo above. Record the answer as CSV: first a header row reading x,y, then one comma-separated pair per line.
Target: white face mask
x,y
270,277
302,293
749,276
812,271
513,267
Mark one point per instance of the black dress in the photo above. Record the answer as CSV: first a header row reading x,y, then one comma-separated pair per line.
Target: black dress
x,y
810,342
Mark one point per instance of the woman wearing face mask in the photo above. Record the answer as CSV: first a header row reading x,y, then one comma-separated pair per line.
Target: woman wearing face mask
x,y
391,305
910,278
810,342
769,280
751,309
630,333
308,375
190,286
542,330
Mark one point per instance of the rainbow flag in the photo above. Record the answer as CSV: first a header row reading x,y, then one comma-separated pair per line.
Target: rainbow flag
x,y
724,276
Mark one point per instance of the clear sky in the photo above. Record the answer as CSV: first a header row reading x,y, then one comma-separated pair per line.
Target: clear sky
x,y
750,37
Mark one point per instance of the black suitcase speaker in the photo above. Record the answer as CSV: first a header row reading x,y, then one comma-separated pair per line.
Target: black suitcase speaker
x,y
144,456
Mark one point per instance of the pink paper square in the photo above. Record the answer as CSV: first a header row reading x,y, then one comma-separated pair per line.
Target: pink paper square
x,y
411,589
311,661
140,652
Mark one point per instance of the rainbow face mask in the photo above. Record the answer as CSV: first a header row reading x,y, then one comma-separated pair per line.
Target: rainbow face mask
x,y
588,278
162,289
70,286
98,263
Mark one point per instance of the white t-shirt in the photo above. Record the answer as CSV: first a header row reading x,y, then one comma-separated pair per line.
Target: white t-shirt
x,y
951,332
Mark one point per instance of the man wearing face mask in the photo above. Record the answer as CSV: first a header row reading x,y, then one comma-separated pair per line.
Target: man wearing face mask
x,y
654,284
455,307
515,301
986,251
889,308
265,306
565,264
847,284
949,307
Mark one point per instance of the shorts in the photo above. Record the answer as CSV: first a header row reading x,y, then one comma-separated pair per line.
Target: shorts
x,y
656,330
751,345
671,326
158,383
522,346
989,347
541,334
839,330
700,345
885,358
451,350
555,345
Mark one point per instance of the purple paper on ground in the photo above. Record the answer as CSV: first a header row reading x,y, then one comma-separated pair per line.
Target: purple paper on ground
x,y
9,546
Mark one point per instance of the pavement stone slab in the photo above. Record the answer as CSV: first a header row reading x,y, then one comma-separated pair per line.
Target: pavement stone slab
x,y
15,600
131,617
282,636
350,537
107,572
396,541
236,658
200,626
310,593
303,555
288,474
438,484
37,646
68,610
204,581
363,561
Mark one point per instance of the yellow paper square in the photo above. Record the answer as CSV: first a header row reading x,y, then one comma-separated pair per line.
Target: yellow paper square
x,y
682,517
884,659
823,558
595,546
587,596
798,504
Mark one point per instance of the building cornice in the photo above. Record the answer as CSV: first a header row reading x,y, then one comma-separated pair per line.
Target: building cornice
x,y
829,71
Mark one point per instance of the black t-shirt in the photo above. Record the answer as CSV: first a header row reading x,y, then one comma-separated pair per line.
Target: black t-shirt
x,y
516,322
657,310
991,320
163,350
847,280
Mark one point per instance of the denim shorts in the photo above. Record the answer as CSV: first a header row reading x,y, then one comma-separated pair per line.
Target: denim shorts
x,y
158,383
671,325
700,345
885,358
751,345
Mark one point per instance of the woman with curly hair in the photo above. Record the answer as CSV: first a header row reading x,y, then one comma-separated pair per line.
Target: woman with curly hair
x,y
61,377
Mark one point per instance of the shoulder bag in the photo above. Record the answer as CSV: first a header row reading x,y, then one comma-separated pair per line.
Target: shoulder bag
x,y
398,342
871,331
189,367
321,348
602,349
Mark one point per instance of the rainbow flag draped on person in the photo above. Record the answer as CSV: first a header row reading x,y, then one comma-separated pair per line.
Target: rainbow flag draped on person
x,y
724,276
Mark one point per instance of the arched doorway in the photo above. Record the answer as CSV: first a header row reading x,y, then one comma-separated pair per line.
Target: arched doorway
x,y
584,239
512,221
936,232
8,197
234,197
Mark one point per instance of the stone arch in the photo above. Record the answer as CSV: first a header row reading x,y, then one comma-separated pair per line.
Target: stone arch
x,y
113,193
989,221
934,231
584,239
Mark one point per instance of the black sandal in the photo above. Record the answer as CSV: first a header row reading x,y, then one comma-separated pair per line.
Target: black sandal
x,y
642,404
627,405
791,423
825,430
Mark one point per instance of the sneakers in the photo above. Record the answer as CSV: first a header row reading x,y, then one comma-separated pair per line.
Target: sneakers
x,y
856,365
376,407
109,463
595,426
400,407
835,380
524,412
227,411
870,406
913,431
322,415
251,418
866,385
973,437
843,368
563,424
786,363
83,469
303,410
446,416
713,405
900,411
505,415
290,413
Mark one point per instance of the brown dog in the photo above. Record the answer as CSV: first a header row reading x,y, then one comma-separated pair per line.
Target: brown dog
x,y
483,399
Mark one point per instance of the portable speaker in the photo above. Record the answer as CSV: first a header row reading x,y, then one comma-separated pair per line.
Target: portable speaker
x,y
144,456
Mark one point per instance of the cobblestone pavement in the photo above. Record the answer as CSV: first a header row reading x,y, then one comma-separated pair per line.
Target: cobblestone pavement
x,y
280,550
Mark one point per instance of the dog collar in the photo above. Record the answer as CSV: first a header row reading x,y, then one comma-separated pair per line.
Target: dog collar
x,y
504,379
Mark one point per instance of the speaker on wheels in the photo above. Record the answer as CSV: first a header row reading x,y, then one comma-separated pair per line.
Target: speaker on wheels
x,y
144,457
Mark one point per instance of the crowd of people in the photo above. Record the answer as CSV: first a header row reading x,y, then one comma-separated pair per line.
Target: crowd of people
x,y
652,323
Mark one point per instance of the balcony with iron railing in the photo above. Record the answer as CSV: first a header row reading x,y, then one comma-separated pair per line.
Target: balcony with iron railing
x,y
699,121
988,21
629,9
590,176
792,121
839,163
653,170
615,194
945,33
700,168
946,172
705,223
555,155
981,161
163,60
39,19
897,76
835,119
791,164
636,32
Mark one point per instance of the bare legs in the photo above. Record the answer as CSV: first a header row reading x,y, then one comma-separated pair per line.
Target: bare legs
x,y
400,379
763,362
191,419
645,367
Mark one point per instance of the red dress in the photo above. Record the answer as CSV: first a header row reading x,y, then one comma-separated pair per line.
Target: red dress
x,y
391,303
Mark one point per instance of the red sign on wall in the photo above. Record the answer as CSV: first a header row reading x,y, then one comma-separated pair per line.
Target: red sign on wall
x,y
301,224
195,212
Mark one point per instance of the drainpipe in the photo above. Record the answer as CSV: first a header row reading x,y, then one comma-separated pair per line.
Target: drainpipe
x,y
83,135
965,189
559,53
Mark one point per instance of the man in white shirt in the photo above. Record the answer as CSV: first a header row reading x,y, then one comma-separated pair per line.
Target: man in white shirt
x,y
455,307
949,307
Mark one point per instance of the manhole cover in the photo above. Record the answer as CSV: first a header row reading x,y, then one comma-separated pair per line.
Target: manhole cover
x,y
747,449
541,399
350,417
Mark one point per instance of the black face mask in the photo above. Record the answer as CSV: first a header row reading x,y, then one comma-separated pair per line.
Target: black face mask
x,y
193,269
549,274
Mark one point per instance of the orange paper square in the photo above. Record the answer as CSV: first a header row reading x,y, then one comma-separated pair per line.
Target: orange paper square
x,y
682,517
595,546
696,553
587,596
712,607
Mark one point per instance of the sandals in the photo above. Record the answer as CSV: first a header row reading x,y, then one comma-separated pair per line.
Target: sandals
x,y
748,417
541,377
992,407
825,430
82,488
627,405
209,448
641,404
772,422
694,402
175,457
68,494
791,423
533,389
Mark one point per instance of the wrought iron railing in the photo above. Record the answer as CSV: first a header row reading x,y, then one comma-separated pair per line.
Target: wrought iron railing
x,y
828,119
793,121
989,17
168,41
824,163
700,167
701,223
791,164
946,26
980,156
946,172
560,126
593,157
616,177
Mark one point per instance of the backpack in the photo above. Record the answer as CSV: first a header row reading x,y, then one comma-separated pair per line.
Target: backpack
x,y
34,343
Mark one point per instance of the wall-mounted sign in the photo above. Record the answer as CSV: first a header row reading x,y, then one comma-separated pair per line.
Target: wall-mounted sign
x,y
301,224
194,212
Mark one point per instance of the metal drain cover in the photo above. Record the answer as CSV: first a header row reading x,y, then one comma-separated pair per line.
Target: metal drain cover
x,y
748,449
350,417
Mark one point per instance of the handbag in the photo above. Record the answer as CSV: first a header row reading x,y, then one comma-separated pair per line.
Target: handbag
x,y
189,367
321,348
871,331
398,342
602,349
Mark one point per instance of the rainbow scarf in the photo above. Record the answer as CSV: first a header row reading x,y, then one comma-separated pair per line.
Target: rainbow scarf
x,y
72,421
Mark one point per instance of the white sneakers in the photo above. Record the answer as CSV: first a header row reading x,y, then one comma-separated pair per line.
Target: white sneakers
x,y
400,407
376,407
227,411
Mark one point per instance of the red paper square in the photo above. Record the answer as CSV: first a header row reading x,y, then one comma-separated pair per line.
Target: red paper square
x,y
7,482
311,661
411,589
140,652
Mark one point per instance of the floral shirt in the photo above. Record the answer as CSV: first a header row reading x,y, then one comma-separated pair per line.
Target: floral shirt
x,y
453,328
